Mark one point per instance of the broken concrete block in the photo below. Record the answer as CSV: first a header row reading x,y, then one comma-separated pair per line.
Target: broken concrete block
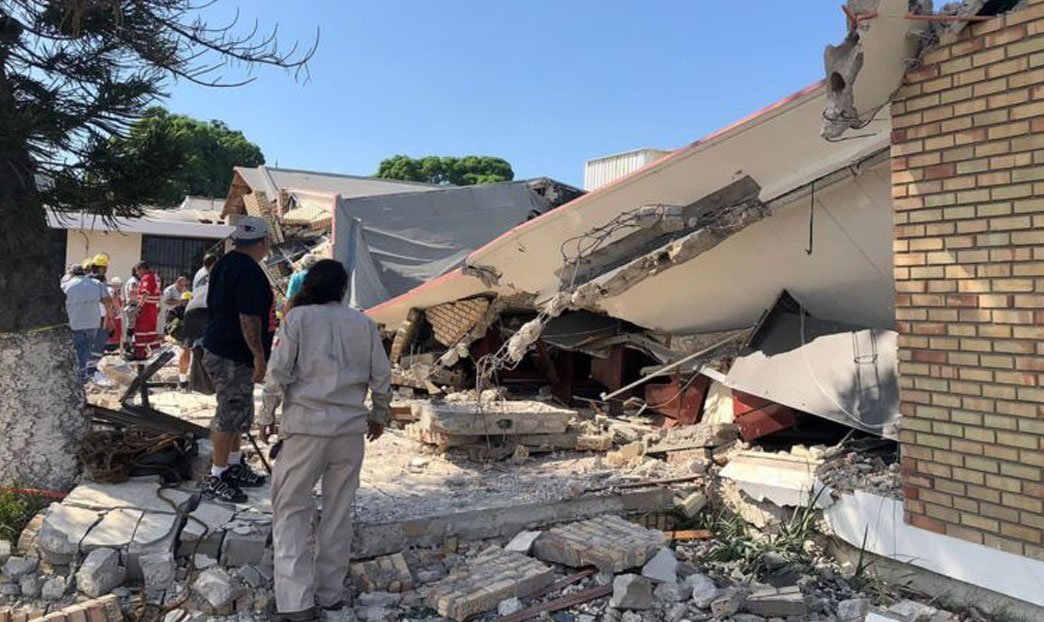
x,y
158,570
202,562
99,573
773,602
6,550
10,589
388,574
54,588
17,567
252,576
375,614
216,588
913,611
631,591
30,586
239,549
479,584
693,504
853,610
672,592
606,542
662,568
156,533
704,591
594,442
27,539
509,606
626,454
523,542
61,532
203,531
115,530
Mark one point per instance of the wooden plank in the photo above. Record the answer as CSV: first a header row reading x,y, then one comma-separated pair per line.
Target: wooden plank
x,y
688,534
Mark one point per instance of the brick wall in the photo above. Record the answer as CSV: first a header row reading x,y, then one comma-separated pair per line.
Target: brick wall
x,y
968,188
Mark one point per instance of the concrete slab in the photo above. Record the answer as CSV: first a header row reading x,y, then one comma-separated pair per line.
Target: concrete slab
x,y
115,530
609,543
492,576
156,534
63,529
783,479
493,417
136,493
374,539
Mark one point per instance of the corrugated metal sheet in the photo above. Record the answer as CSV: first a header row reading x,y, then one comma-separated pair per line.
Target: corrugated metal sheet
x,y
602,171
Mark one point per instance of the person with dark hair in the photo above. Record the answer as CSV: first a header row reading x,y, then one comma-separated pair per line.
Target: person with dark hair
x,y
203,274
326,358
237,340
146,327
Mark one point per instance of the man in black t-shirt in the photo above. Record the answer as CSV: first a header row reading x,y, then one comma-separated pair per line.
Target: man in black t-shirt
x,y
237,341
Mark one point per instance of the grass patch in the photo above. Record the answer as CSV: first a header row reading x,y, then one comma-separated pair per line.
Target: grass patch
x,y
16,510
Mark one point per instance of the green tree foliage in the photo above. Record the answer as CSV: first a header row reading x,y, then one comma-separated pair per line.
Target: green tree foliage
x,y
203,153
465,171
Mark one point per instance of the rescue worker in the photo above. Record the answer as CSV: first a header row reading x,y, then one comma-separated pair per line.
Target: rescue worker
x,y
146,327
327,356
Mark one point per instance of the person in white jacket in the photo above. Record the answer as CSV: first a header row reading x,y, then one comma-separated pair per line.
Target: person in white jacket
x,y
326,358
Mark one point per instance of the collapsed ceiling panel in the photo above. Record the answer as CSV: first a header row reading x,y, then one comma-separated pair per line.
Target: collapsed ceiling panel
x,y
841,372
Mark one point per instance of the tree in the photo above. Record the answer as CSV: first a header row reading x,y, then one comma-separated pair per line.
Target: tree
x,y
74,76
465,171
204,153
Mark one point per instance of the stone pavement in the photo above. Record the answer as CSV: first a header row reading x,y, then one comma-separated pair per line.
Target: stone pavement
x,y
609,543
492,576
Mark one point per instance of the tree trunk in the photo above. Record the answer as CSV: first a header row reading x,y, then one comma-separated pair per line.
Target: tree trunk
x,y
42,410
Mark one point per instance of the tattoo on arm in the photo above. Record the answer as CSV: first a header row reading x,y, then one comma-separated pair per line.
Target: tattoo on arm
x,y
251,326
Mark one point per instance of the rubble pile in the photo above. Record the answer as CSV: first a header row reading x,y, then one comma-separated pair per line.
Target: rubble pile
x,y
854,470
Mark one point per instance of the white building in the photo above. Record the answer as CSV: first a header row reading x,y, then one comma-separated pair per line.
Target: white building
x,y
607,169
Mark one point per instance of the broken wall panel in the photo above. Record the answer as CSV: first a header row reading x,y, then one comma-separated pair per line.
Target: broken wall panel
x,y
840,372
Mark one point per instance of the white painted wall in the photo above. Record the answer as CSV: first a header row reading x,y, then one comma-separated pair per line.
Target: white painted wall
x,y
880,520
124,249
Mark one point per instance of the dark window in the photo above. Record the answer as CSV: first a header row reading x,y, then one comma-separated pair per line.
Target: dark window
x,y
171,257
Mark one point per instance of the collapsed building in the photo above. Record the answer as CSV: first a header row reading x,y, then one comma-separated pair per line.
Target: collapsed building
x,y
761,373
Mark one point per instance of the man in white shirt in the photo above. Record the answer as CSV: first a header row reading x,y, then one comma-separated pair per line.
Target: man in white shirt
x,y
203,274
82,296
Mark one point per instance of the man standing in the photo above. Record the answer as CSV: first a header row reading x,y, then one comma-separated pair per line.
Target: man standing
x,y
203,274
327,358
236,342
82,297
171,299
146,328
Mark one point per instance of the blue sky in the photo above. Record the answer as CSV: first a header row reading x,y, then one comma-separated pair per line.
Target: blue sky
x,y
546,84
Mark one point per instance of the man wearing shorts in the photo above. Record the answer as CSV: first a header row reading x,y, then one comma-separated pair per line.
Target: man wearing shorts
x,y
237,341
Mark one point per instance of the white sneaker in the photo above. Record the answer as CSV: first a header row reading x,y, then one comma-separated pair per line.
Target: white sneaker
x,y
102,380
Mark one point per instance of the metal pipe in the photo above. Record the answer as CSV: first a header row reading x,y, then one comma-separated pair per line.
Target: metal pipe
x,y
672,366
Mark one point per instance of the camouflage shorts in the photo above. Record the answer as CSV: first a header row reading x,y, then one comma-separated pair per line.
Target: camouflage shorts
x,y
234,385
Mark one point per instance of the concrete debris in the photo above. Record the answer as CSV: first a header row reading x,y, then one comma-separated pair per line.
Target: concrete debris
x,y
216,588
704,591
727,603
54,588
509,606
695,437
100,573
493,417
64,527
158,570
483,582
30,586
784,479
693,504
853,610
388,574
607,542
672,592
631,591
662,568
523,542
17,567
6,550
776,602
378,599
856,470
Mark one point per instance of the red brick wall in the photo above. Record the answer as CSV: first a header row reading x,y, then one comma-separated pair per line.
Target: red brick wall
x,y
968,188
